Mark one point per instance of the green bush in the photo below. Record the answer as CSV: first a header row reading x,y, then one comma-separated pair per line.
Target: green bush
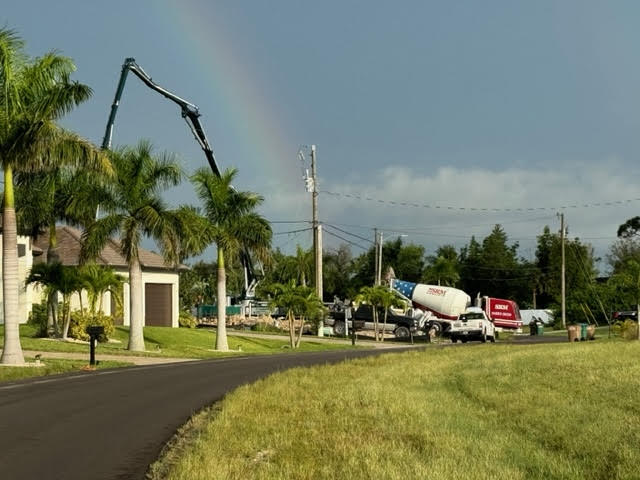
x,y
187,320
38,318
627,329
81,320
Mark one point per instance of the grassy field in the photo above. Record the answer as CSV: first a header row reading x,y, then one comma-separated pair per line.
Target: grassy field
x,y
170,342
51,367
556,411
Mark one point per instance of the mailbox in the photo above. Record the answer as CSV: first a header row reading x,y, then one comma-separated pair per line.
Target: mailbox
x,y
94,332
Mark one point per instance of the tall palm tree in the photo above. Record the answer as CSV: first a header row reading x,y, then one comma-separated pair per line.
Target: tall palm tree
x,y
135,210
234,226
34,94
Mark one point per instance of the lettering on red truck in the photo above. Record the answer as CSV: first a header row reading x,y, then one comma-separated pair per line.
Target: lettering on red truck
x,y
501,307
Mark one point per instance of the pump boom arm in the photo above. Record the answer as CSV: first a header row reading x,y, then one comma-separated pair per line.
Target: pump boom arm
x,y
189,111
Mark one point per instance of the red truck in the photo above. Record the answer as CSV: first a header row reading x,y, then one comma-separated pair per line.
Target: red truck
x,y
503,313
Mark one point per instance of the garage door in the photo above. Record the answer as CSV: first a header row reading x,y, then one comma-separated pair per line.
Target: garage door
x,y
157,304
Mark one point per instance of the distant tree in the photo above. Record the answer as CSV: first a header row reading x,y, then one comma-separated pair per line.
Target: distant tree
x,y
337,273
623,250
630,228
443,267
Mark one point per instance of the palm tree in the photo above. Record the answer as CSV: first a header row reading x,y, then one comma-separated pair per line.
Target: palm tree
x,y
136,210
304,263
296,300
235,226
34,94
97,280
58,278
65,193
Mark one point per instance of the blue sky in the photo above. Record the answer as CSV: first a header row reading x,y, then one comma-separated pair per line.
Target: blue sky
x,y
495,104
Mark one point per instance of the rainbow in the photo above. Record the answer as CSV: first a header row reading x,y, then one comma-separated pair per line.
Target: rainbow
x,y
267,151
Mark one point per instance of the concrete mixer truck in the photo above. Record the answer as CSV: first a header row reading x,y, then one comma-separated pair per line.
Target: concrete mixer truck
x,y
442,305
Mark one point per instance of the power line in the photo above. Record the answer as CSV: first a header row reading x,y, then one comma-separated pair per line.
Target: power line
x,y
289,221
349,233
397,203
293,231
345,240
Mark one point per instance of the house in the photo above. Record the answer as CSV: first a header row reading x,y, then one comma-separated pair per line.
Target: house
x,y
26,253
160,280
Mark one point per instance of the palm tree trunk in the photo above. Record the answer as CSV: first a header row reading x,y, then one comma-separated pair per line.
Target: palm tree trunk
x,y
292,341
136,322
12,351
53,256
66,315
300,332
221,338
384,325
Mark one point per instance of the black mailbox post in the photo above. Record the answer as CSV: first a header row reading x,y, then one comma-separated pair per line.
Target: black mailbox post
x,y
94,332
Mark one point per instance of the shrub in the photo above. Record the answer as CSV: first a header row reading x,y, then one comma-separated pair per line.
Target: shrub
x,y
187,320
81,320
627,329
38,319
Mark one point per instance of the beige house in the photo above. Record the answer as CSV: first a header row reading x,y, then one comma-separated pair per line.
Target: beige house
x,y
26,253
160,280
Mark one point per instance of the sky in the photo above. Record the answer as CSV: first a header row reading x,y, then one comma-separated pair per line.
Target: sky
x,y
432,119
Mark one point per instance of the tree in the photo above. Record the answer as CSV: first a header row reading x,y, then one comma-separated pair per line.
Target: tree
x,y
135,209
444,267
296,300
64,193
386,299
98,280
234,226
58,278
34,94
337,272
628,280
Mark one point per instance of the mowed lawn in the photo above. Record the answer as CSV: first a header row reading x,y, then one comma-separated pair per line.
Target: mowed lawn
x,y
51,367
556,411
170,342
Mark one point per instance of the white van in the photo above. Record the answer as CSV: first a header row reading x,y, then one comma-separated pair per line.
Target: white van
x,y
473,324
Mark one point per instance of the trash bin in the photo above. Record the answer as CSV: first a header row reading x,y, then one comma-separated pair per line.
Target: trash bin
x,y
572,331
591,332
583,332
540,329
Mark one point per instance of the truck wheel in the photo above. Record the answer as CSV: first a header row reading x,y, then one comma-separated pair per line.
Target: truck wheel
x,y
454,339
463,340
483,339
402,332
437,328
493,338
338,329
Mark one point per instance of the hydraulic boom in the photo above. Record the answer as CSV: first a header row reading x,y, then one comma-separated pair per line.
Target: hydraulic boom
x,y
189,111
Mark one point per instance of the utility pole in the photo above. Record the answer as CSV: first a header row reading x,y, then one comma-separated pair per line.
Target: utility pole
x,y
379,279
375,256
317,234
563,285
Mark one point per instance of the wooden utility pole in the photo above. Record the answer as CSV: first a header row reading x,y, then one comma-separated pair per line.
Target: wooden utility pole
x,y
563,284
317,234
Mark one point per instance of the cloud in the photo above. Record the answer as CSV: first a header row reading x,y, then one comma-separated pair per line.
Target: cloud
x,y
456,199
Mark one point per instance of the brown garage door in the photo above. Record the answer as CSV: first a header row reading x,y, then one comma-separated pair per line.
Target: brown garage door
x,y
157,304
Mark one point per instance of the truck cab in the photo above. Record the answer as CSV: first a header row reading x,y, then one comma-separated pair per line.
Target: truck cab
x,y
473,324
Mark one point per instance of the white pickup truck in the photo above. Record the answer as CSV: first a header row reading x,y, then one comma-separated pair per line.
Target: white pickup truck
x,y
473,324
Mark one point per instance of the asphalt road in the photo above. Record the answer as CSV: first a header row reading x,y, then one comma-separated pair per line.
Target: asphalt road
x,y
112,424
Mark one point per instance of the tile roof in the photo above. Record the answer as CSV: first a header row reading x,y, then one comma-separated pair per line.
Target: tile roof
x,y
70,243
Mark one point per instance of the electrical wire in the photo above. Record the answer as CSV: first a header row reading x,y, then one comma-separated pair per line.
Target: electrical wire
x,y
293,231
345,240
349,233
396,203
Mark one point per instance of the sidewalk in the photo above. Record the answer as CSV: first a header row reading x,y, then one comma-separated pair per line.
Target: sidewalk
x,y
100,357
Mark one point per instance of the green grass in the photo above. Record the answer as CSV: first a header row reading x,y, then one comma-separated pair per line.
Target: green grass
x,y
171,342
556,411
50,367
